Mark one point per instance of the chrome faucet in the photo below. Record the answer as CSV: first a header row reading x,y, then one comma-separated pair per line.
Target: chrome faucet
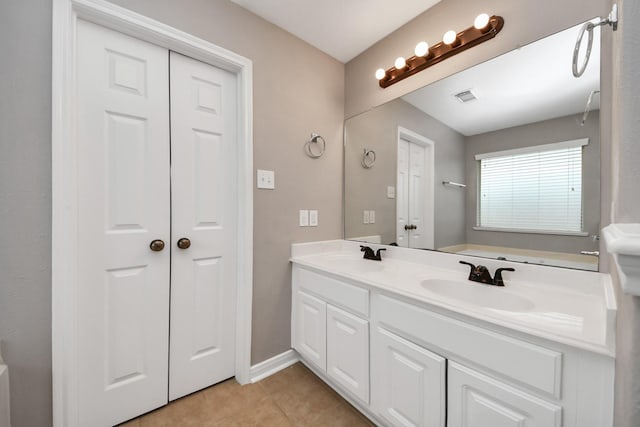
x,y
369,254
481,274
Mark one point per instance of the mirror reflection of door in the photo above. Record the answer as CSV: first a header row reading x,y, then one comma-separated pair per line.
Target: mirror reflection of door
x,y
414,199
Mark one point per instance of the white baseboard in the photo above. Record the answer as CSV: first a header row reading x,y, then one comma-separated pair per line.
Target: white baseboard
x,y
262,370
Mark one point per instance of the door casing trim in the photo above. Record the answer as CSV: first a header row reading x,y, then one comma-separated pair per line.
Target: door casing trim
x,y
64,284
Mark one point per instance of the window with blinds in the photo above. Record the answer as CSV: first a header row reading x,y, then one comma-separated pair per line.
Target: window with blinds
x,y
536,189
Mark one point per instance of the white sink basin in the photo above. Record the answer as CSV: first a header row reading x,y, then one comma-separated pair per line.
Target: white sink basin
x,y
355,265
488,296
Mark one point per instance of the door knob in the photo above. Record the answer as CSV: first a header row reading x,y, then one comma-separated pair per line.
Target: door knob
x,y
156,245
184,243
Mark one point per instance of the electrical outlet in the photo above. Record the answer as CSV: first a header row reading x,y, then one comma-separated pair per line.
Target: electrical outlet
x,y
365,217
304,218
391,192
266,179
313,218
372,217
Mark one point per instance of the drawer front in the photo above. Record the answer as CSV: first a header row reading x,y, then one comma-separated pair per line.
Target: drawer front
x,y
530,364
475,400
338,293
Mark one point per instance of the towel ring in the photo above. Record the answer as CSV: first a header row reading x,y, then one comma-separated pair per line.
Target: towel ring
x,y
368,158
577,72
611,20
313,142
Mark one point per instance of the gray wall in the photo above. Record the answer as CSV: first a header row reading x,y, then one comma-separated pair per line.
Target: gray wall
x,y
25,207
306,95
366,189
546,132
626,203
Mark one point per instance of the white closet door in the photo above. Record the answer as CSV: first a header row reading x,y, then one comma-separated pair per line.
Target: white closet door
x,y
417,236
204,211
123,193
402,194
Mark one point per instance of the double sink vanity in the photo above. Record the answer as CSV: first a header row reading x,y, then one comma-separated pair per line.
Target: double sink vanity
x,y
410,341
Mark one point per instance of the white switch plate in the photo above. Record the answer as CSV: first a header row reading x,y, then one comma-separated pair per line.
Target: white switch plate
x,y
365,217
372,217
304,218
391,192
266,179
313,218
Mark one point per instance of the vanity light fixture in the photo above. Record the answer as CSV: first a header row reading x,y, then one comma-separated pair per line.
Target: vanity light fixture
x,y
484,28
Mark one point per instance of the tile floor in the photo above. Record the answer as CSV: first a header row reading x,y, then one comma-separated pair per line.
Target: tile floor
x,y
292,397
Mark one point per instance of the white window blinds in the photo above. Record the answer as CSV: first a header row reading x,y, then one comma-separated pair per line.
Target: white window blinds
x,y
532,189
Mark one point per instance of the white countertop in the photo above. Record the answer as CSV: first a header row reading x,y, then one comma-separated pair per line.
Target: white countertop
x,y
573,307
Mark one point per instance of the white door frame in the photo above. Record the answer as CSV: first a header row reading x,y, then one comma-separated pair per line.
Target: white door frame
x,y
64,185
429,163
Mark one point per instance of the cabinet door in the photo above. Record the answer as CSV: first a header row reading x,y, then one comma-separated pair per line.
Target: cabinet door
x,y
408,385
348,351
311,335
476,400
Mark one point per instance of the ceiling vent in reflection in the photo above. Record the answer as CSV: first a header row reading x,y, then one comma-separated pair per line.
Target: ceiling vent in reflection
x,y
465,96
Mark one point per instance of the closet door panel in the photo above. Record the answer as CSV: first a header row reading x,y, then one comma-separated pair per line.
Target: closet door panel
x,y
204,191
123,192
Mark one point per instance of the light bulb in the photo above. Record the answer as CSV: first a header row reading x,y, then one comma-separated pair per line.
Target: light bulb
x,y
449,37
400,63
422,49
481,21
380,73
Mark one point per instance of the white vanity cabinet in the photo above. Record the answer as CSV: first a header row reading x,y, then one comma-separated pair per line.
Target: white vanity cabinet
x,y
493,379
405,361
330,329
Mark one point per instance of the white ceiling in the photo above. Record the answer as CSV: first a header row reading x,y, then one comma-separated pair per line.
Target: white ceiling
x,y
528,85
340,28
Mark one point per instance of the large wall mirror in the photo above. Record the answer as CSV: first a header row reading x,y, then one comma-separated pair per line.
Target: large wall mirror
x,y
501,160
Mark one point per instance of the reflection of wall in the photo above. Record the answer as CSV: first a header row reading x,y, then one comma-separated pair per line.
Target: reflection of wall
x,y
547,132
366,189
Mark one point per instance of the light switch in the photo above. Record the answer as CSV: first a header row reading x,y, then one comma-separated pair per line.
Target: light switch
x,y
365,217
304,218
313,218
372,217
266,179
391,192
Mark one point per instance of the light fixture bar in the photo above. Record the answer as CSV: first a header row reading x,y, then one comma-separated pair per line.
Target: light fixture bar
x,y
464,40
